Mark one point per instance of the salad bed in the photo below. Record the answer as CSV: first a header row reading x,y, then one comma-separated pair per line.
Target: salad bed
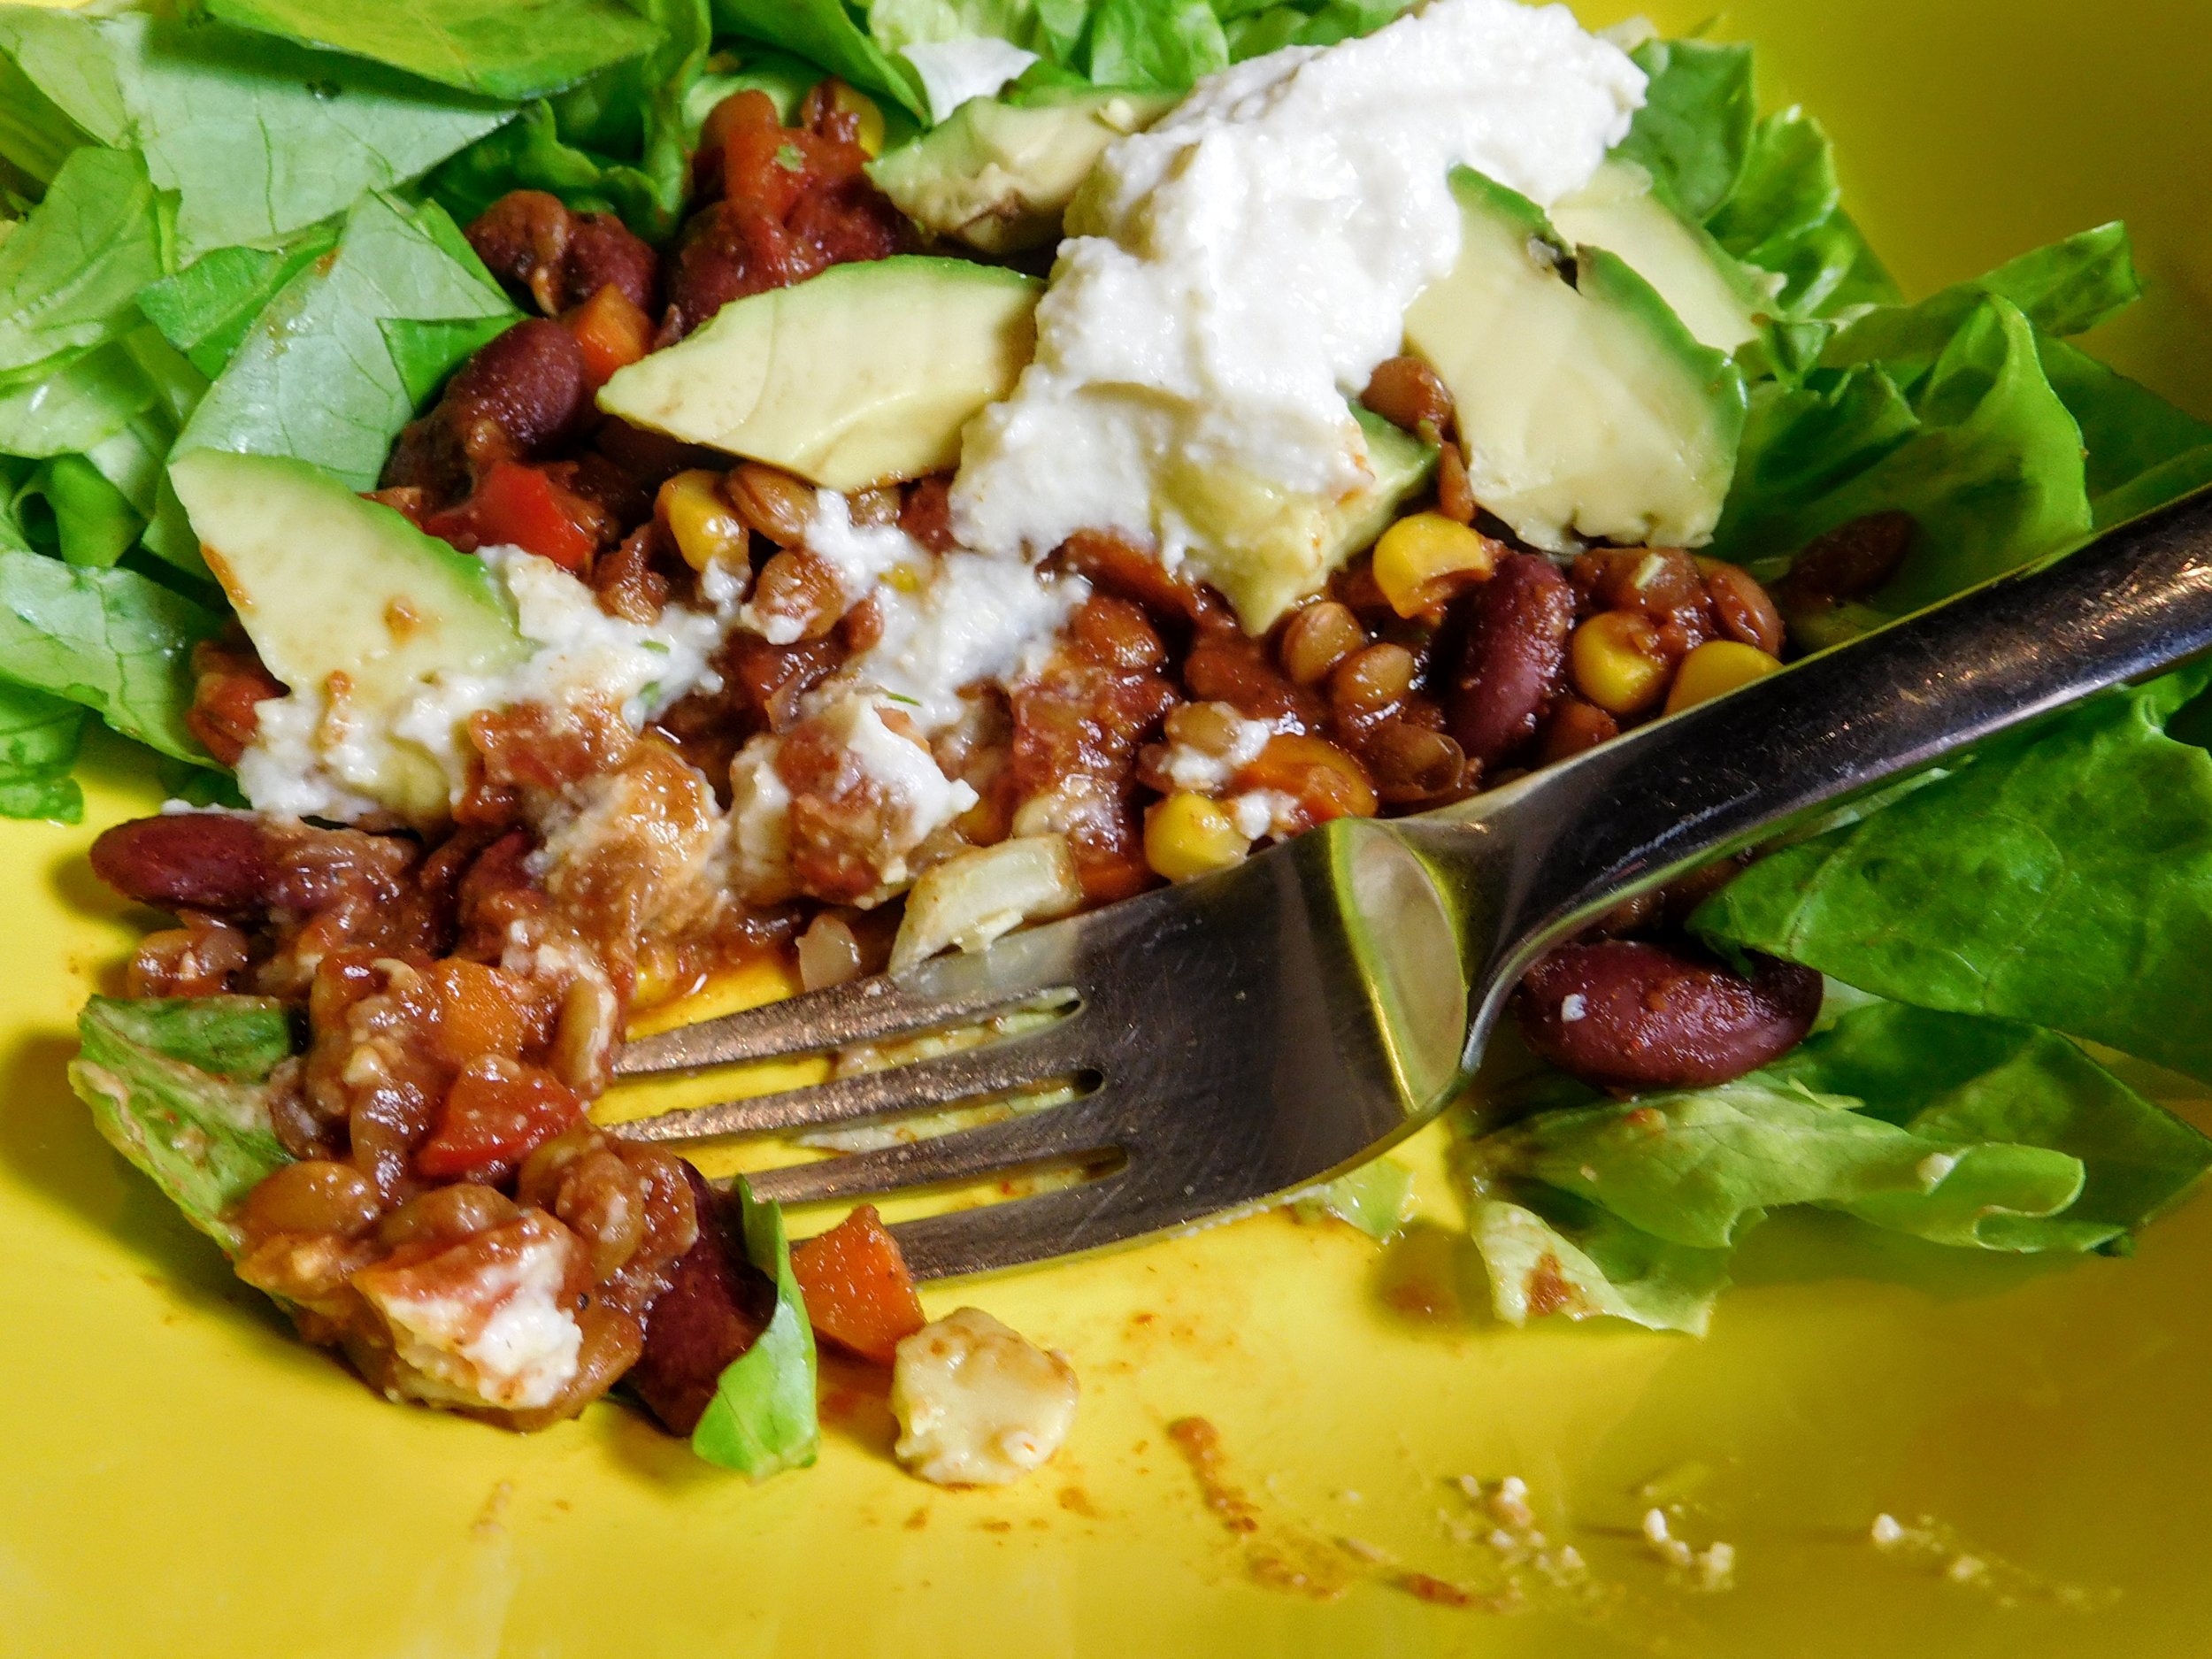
x,y
2051,888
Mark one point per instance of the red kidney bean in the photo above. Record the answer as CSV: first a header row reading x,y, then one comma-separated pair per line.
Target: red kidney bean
x,y
561,259
1627,1015
519,396
527,387
726,252
1849,562
1512,662
714,1309
602,253
199,860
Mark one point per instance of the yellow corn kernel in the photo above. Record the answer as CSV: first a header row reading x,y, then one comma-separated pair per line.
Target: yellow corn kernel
x,y
868,119
1186,836
705,528
1715,668
1617,664
1424,559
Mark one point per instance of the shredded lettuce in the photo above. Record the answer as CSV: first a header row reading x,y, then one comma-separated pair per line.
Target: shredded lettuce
x,y
179,1087
69,278
2063,876
224,116
504,49
315,378
113,641
762,1418
36,137
205,309
824,32
74,401
617,144
92,522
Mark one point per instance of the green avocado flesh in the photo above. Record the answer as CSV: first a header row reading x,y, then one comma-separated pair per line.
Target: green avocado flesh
x,y
344,597
1587,410
1716,297
860,376
997,176
1266,548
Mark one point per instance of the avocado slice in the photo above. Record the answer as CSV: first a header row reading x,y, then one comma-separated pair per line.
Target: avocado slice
x,y
1275,546
860,376
997,175
1586,409
1719,299
344,597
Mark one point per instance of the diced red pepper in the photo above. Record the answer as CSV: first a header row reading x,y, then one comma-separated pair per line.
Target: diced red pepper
x,y
858,1291
613,330
497,1111
521,506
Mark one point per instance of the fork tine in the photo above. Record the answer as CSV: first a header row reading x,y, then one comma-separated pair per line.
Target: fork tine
x,y
812,1022
993,1236
1027,1060
1049,1134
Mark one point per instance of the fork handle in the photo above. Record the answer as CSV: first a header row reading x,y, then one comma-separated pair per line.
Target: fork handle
x,y
2136,600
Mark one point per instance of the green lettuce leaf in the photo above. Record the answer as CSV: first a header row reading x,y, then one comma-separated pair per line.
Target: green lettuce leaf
x,y
76,401
118,642
315,378
2063,876
762,1418
824,32
2065,288
69,278
259,138
1698,1167
895,25
1148,44
1276,27
1376,1198
1693,133
1987,459
35,135
1961,1077
2143,451
69,500
1785,215
618,143
205,309
39,738
1585,1262
179,1087
1965,1132
504,49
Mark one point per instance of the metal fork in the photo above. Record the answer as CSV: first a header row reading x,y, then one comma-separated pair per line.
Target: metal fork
x,y
1259,1031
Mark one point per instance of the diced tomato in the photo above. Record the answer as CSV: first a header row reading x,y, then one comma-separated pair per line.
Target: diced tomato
x,y
497,1111
228,687
477,1014
858,1291
1326,781
521,506
613,330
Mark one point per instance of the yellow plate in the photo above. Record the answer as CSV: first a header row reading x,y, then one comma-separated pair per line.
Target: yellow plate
x,y
183,1479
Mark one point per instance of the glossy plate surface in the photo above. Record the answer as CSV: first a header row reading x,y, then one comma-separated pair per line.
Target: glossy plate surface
x,y
182,1478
